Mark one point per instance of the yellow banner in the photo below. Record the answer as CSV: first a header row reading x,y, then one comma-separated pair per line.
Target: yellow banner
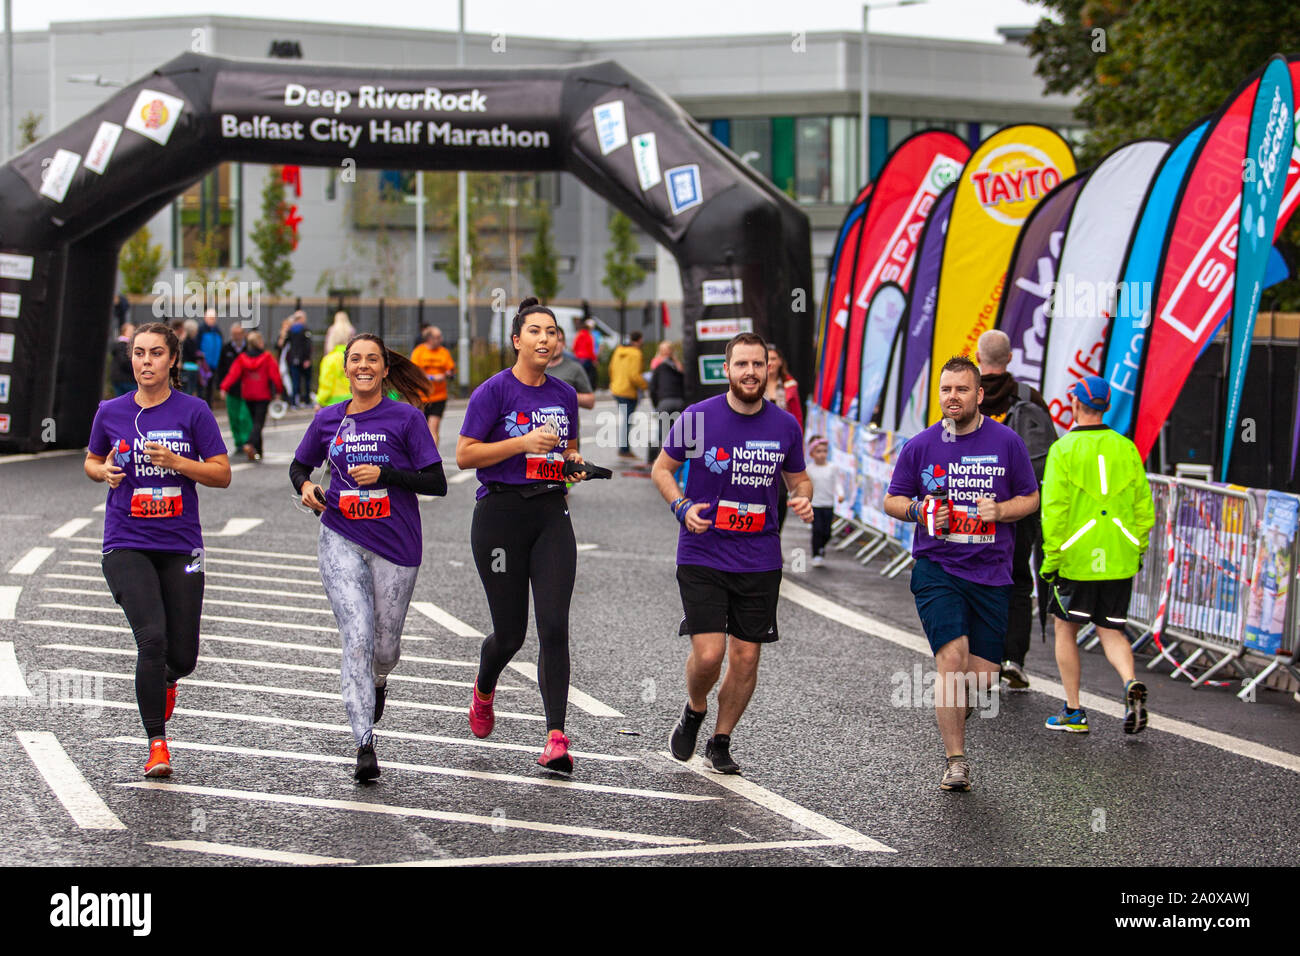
x,y
1002,183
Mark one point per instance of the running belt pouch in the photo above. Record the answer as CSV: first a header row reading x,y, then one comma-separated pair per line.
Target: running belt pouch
x,y
572,468
527,491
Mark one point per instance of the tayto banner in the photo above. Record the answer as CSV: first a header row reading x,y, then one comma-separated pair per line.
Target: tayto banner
x,y
883,316
918,321
999,187
1126,344
1198,263
1268,148
1022,311
836,314
1092,258
912,177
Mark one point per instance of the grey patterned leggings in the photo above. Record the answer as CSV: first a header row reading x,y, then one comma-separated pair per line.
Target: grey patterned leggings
x,y
370,597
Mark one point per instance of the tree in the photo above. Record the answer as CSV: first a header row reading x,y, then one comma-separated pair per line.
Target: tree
x,y
140,263
27,129
1151,69
273,236
622,274
207,259
541,263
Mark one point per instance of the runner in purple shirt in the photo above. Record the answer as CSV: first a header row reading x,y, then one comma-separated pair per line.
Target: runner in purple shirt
x,y
517,433
729,548
152,446
966,480
380,455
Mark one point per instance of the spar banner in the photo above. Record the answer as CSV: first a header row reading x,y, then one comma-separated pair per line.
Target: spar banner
x,y
1268,146
1127,343
883,316
836,310
912,177
999,187
1092,258
1022,312
1199,260
918,321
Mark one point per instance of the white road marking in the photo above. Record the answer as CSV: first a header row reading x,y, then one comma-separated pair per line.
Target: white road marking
x,y
298,692
69,528
79,798
30,561
310,558
787,808
461,477
269,592
11,675
264,579
100,508
441,771
273,665
344,729
9,594
620,854
577,698
386,809
1092,702
208,559
251,852
449,621
34,456
234,527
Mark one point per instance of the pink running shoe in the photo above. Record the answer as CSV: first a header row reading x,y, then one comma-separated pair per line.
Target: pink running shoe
x,y
556,755
481,717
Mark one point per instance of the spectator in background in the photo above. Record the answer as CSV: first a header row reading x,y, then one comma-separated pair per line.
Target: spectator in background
x,y
122,374
332,384
626,384
667,393
570,370
822,473
435,361
241,422
783,392
258,378
210,342
122,309
664,353
584,350
187,330
299,359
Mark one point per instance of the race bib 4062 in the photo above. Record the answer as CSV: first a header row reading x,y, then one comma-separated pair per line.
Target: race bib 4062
x,y
364,504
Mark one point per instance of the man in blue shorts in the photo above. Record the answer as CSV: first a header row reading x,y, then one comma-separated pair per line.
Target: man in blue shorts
x,y
966,479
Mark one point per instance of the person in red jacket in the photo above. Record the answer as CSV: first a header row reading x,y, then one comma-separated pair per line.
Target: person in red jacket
x,y
258,376
584,350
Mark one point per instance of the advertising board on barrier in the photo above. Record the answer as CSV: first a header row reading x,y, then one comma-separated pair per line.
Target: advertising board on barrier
x,y
1271,576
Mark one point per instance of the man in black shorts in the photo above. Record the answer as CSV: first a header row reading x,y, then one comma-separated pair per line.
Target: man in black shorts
x,y
729,548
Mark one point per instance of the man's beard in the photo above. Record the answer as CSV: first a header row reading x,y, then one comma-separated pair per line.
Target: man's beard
x,y
738,390
965,420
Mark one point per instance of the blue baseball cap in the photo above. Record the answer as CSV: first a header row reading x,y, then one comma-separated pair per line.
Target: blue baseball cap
x,y
1093,391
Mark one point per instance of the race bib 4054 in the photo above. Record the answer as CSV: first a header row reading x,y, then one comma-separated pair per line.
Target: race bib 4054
x,y
544,467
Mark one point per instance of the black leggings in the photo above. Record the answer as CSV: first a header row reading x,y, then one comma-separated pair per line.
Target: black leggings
x,y
515,541
163,602
258,412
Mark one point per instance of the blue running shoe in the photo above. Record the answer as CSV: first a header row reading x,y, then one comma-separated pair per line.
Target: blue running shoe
x,y
1075,723
1135,707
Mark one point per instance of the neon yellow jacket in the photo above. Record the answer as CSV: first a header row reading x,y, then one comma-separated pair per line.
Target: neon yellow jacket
x,y
1096,505
333,386
625,379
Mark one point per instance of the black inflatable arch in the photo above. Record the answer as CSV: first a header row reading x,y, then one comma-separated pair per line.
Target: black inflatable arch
x,y
69,202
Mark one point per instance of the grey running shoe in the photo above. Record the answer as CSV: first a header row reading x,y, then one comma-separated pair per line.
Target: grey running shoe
x,y
1015,676
957,776
1135,707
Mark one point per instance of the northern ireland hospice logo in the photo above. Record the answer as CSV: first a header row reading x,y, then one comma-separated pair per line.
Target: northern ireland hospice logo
x,y
517,423
717,460
933,477
121,452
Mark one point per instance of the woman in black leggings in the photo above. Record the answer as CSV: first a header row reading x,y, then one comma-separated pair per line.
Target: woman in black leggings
x,y
152,446
518,433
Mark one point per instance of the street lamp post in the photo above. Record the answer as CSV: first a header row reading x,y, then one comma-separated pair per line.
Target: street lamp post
x,y
418,201
864,113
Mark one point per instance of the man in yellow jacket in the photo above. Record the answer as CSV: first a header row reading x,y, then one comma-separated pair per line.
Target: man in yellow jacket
x,y
626,384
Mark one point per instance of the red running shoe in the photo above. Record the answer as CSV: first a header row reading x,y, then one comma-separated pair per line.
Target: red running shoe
x,y
171,701
481,717
556,755
160,760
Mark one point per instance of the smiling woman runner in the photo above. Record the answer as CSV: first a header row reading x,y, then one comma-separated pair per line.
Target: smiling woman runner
x,y
162,443
516,432
381,456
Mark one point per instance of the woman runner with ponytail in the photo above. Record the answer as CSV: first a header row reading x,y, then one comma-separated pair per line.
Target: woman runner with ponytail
x,y
380,456
162,442
517,433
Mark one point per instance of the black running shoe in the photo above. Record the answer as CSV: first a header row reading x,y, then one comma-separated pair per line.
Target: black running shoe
x,y
717,754
367,764
381,692
686,733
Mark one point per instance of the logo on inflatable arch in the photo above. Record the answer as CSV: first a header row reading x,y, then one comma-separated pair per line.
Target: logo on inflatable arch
x,y
1011,180
717,460
154,115
933,477
121,452
517,424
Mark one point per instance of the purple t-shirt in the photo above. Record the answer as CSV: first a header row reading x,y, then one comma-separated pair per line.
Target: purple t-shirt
x,y
378,518
990,462
736,462
504,407
153,509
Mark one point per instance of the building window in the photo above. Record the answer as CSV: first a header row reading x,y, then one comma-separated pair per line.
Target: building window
x,y
207,226
812,159
751,140
844,159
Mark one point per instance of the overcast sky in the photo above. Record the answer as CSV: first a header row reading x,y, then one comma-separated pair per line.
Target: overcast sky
x,y
580,19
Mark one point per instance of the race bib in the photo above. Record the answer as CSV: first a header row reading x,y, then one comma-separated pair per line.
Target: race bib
x,y
544,467
156,502
740,516
364,504
965,526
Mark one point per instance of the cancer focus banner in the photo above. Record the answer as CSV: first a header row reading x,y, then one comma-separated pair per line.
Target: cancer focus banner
x,y
835,304
999,187
904,192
